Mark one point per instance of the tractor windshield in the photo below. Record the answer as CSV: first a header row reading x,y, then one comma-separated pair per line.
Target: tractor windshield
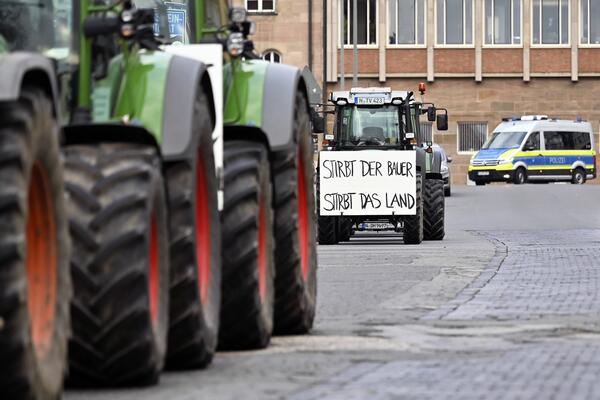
x,y
362,126
36,25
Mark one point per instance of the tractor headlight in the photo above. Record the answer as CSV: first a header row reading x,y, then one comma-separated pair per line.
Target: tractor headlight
x,y
237,15
235,44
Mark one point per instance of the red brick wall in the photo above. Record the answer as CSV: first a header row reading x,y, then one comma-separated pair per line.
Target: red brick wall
x,y
406,60
454,61
550,60
502,61
589,60
368,61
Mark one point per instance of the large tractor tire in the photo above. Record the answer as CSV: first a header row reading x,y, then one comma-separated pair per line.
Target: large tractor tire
x,y
120,264
433,209
413,225
248,292
345,229
35,285
328,230
295,230
195,227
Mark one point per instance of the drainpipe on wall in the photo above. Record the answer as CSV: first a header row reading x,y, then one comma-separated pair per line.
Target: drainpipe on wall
x,y
310,35
324,51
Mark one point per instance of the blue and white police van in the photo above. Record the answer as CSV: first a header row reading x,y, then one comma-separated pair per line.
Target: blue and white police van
x,y
536,148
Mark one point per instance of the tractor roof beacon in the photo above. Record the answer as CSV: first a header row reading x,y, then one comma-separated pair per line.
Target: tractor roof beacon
x,y
380,126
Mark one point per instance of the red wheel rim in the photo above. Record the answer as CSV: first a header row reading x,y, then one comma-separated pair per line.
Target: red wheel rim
x,y
303,229
202,230
41,261
262,253
153,275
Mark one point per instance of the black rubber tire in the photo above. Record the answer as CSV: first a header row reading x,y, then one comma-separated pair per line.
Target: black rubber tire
x,y
434,209
246,315
117,209
448,191
295,230
194,323
345,229
413,224
520,176
29,136
479,183
578,177
328,230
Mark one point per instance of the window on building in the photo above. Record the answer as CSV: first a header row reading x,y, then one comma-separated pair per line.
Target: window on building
x,y
406,22
272,56
550,22
471,136
367,21
590,21
502,22
260,5
454,22
425,132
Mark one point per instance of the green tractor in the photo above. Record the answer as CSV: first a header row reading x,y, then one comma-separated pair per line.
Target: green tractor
x,y
35,284
268,183
148,182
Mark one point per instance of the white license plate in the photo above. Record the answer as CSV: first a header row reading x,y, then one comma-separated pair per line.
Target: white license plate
x,y
377,226
368,101
483,173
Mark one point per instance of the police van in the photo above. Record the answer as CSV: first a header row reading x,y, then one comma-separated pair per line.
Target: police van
x,y
536,148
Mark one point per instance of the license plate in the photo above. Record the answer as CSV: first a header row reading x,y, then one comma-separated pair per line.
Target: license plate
x,y
369,101
483,173
377,226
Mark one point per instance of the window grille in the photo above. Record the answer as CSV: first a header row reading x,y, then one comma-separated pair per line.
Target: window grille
x,y
471,136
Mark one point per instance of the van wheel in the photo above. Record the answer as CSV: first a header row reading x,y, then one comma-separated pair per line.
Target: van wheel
x,y
578,177
520,176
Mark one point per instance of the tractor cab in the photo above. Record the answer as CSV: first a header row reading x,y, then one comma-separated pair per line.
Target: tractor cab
x,y
379,118
42,27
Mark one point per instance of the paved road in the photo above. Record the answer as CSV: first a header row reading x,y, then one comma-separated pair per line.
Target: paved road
x,y
507,306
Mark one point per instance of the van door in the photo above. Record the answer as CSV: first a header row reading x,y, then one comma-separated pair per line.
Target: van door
x,y
558,146
532,154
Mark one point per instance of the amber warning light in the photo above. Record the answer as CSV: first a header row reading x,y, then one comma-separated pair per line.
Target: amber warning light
x,y
422,88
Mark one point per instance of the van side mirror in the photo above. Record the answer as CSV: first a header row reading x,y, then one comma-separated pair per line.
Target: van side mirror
x,y
529,147
449,159
442,122
431,114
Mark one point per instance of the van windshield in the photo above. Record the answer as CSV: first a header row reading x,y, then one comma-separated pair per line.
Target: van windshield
x,y
504,140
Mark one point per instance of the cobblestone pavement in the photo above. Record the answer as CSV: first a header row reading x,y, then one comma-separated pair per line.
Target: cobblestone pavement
x,y
531,319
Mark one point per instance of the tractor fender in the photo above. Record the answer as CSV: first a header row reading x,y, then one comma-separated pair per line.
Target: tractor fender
x,y
260,102
23,67
185,77
108,133
282,83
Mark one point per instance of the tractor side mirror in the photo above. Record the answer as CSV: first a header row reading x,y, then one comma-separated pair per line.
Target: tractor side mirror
x,y
442,122
431,114
318,123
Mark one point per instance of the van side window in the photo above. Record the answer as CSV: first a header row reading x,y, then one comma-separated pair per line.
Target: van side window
x,y
533,142
582,141
558,140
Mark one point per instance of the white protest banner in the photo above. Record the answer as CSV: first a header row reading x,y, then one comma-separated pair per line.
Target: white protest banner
x,y
367,182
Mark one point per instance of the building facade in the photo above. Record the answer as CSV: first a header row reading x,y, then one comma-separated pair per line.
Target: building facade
x,y
482,59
